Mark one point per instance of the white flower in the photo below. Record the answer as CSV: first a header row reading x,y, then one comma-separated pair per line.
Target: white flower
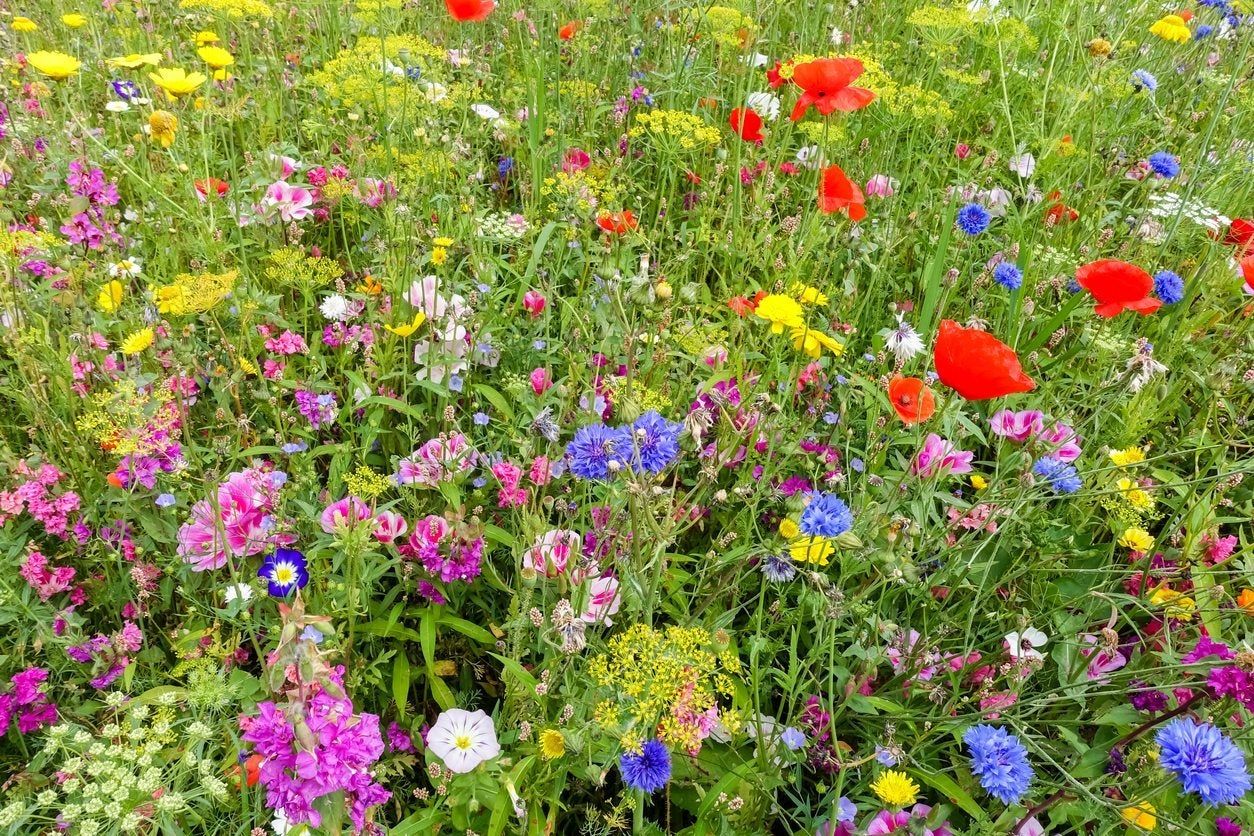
x,y
280,825
463,739
837,36
126,267
1023,645
485,111
810,156
117,106
903,341
765,105
391,69
1023,164
435,92
238,592
334,307
756,59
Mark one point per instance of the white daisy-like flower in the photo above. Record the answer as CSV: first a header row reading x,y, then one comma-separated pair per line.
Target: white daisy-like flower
x,y
1023,645
238,592
903,341
334,307
756,59
485,111
764,104
126,267
463,739
117,106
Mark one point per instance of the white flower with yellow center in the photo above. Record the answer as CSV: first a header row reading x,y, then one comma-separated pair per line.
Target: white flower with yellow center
x,y
463,739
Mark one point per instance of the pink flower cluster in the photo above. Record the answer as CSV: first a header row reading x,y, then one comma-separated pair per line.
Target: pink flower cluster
x,y
239,524
36,496
44,579
1060,440
331,749
450,553
110,653
439,460
28,702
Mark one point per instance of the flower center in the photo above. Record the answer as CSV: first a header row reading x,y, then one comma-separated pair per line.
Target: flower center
x,y
462,741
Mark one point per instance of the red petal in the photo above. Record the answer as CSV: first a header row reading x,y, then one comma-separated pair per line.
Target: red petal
x,y
977,365
852,98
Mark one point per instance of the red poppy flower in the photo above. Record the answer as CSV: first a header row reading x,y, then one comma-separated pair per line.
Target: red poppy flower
x,y
1240,234
837,193
252,769
911,399
212,185
747,124
825,83
469,11
1247,270
617,223
1059,212
570,30
773,77
1118,286
977,365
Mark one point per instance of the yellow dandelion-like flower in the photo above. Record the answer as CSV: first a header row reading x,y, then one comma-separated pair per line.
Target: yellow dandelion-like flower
x,y
408,328
206,37
809,295
439,255
443,241
110,297
1135,495
248,367
24,24
135,60
895,788
1172,28
162,127
138,341
813,343
978,482
55,65
552,744
811,550
781,311
1142,815
215,56
1175,605
177,82
1137,539
789,529
1100,47
74,20
1127,457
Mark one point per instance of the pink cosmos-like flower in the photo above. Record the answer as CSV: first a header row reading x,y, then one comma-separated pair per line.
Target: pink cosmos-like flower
x,y
291,203
343,514
575,159
541,380
1101,660
534,302
551,552
388,526
939,456
1017,426
438,460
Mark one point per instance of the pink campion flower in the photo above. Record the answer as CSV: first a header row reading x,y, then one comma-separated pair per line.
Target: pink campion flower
x,y
1064,442
534,302
509,475
541,380
439,460
604,600
939,456
1102,660
888,821
1017,426
292,203
389,526
575,159
880,185
962,150
240,524
342,515
552,551
992,705
44,580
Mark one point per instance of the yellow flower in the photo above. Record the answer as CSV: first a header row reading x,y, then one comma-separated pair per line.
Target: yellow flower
x,y
162,126
206,37
177,82
248,367
1175,605
135,59
781,311
811,550
24,24
809,295
1171,28
110,297
552,744
1128,457
978,482
438,256
409,327
138,341
1137,539
1099,47
813,342
56,65
895,788
1141,814
443,241
1138,498
788,529
74,20
215,56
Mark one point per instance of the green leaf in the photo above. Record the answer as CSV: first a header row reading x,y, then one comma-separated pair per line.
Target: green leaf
x,y
949,787
400,682
496,399
518,671
467,629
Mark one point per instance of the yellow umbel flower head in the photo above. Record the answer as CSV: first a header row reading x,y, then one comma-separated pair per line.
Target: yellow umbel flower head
x,y
895,788
781,311
55,65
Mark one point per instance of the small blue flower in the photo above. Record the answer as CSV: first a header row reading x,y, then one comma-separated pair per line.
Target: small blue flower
x,y
481,419
1169,287
846,810
973,219
1203,31
165,500
831,418
1205,760
648,771
857,465
885,757
999,760
1144,80
1008,276
656,442
827,515
295,447
1164,164
794,739
285,571
1062,477
455,383
504,167
777,568
126,90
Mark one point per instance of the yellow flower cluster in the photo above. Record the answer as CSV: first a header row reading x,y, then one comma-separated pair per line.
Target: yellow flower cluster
x,y
357,80
675,127
580,191
366,483
116,419
194,294
246,9
904,100
289,266
727,26
1131,504
784,312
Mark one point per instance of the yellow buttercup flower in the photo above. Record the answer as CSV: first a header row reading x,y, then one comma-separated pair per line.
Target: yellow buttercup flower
x,y
74,20
408,328
552,744
1175,605
1172,28
162,127
215,56
895,788
978,482
110,297
1127,457
56,65
781,311
205,37
177,82
138,341
1136,496
135,59
789,529
1142,815
24,24
811,550
1137,539
813,343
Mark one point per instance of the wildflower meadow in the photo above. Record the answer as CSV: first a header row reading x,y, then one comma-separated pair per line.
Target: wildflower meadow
x,y
652,417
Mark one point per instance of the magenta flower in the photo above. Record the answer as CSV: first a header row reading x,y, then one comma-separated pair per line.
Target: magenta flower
x,y
342,515
1017,426
290,203
389,526
938,457
240,524
551,552
1064,441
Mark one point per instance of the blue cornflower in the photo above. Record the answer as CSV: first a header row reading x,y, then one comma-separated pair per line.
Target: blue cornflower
x,y
973,219
777,568
1144,80
1008,276
1062,477
656,442
598,450
504,167
648,771
1164,164
1169,287
1203,31
999,760
827,515
285,571
1204,759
